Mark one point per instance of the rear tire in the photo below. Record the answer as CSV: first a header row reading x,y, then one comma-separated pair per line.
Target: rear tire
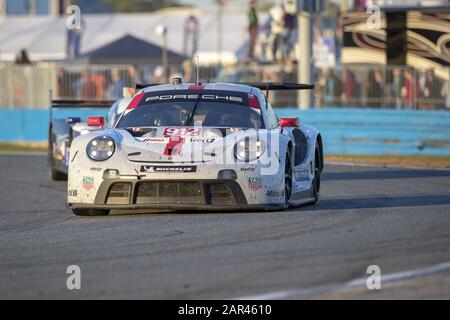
x,y
316,182
56,175
90,212
288,178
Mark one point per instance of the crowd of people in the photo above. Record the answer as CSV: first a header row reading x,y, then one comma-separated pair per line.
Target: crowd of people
x,y
275,39
98,83
377,88
397,87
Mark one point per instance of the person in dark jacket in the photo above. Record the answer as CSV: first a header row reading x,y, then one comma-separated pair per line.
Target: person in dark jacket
x,y
252,27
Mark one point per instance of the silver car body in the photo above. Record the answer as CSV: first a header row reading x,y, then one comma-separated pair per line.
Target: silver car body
x,y
205,173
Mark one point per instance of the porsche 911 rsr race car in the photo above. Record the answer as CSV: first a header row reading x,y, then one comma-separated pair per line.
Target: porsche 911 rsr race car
x,y
184,146
63,130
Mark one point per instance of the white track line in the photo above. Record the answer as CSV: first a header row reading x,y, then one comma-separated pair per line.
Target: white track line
x,y
400,276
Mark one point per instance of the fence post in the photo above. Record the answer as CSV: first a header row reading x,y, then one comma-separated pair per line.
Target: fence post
x,y
447,93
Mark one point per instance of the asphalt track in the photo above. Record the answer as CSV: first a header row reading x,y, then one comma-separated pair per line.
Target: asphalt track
x,y
398,219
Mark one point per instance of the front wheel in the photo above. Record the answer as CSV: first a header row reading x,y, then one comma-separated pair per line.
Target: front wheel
x,y
90,212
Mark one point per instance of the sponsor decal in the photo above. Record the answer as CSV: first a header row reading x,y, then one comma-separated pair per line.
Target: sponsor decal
x,y
217,97
95,169
182,132
73,193
88,182
301,175
202,140
154,140
275,193
254,183
176,169
250,169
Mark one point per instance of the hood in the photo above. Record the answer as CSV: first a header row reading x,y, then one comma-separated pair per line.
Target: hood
x,y
168,144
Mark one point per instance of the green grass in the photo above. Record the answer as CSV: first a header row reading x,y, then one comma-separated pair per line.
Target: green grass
x,y
421,161
23,147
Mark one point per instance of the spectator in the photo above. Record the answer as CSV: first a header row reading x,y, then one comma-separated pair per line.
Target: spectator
x,y
432,91
22,57
333,88
360,5
115,89
277,28
397,85
99,82
445,92
349,88
88,87
64,84
374,88
290,26
190,36
410,90
252,27
187,71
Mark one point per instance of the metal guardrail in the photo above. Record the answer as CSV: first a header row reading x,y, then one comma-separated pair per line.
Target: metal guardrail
x,y
368,86
28,86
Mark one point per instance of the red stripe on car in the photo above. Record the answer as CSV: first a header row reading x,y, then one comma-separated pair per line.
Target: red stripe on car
x,y
135,102
173,147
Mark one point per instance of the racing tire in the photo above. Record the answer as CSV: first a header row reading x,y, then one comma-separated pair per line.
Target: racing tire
x,y
288,178
56,175
316,182
90,212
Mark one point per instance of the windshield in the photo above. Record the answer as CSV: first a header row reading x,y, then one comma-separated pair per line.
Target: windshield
x,y
209,108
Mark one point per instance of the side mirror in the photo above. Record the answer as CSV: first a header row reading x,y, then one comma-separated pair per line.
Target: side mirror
x,y
96,121
289,123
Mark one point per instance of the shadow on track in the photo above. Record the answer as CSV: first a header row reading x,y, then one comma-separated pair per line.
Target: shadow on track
x,y
380,202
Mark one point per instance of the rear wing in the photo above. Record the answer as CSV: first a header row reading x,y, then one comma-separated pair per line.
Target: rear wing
x,y
79,104
268,86
277,86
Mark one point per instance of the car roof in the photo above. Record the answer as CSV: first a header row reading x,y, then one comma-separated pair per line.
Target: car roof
x,y
205,86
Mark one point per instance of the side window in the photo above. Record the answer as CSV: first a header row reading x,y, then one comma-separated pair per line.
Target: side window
x,y
273,119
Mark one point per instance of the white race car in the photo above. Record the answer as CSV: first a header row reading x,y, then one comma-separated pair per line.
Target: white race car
x,y
184,146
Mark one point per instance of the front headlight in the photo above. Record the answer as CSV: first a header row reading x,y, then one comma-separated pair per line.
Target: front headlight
x,y
249,150
101,148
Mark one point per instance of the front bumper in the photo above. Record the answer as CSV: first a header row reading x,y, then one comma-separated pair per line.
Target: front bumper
x,y
172,195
